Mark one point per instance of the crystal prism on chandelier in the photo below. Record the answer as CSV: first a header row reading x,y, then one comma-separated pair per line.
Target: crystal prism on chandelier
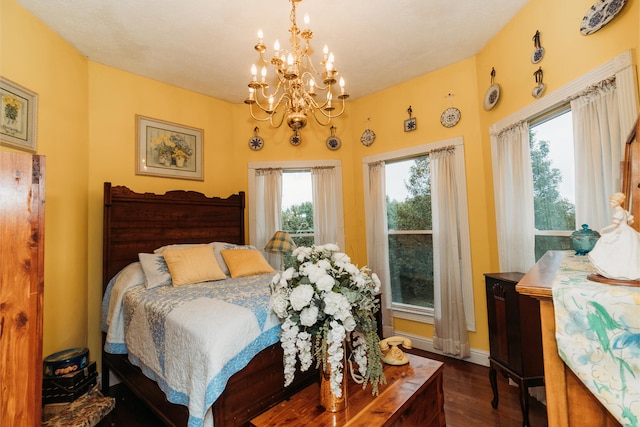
x,y
300,90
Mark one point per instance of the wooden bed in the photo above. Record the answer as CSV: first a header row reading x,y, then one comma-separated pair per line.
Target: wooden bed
x,y
141,222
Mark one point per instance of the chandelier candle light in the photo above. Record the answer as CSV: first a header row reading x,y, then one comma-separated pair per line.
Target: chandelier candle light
x,y
301,90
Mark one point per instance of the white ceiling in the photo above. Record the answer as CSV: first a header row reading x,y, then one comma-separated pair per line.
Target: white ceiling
x,y
207,46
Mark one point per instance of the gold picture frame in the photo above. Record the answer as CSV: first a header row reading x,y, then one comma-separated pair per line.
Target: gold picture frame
x,y
168,149
18,116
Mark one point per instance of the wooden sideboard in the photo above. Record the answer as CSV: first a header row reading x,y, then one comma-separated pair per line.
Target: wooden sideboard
x,y
569,402
412,396
515,339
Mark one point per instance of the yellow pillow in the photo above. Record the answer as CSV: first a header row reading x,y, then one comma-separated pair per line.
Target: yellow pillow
x,y
192,265
245,262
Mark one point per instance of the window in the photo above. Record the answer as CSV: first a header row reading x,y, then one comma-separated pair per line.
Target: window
x,y
301,197
407,265
408,195
297,206
552,163
603,107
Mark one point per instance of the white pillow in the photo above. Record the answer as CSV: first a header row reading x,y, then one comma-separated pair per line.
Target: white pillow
x,y
220,246
156,271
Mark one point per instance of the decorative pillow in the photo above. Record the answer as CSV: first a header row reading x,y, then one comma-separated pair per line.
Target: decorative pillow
x,y
156,271
246,262
192,265
219,246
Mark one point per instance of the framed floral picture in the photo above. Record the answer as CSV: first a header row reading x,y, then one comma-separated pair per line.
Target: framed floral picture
x,y
168,150
18,116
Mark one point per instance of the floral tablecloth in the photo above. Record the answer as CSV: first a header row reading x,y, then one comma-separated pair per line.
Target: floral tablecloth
x,y
598,336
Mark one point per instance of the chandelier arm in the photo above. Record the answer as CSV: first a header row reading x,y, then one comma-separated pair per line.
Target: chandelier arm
x,y
254,117
313,113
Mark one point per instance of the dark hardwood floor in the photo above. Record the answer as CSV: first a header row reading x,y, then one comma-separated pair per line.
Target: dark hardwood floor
x,y
467,394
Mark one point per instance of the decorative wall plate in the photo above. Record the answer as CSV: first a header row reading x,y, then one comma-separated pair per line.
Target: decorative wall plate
x,y
493,93
367,138
537,55
450,117
599,15
538,90
333,142
492,96
538,51
295,139
255,142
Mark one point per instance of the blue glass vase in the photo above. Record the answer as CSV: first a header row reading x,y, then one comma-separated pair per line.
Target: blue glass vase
x,y
584,240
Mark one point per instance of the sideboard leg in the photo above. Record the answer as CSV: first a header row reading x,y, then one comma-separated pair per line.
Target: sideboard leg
x,y
494,386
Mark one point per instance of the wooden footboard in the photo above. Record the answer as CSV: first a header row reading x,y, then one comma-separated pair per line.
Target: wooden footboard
x,y
256,388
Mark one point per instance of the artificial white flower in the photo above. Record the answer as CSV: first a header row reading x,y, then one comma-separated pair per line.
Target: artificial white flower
x,y
301,252
331,247
314,272
279,304
325,283
300,297
309,316
349,323
377,283
336,305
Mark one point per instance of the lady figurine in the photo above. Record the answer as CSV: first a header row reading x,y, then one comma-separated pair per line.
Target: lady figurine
x,y
616,254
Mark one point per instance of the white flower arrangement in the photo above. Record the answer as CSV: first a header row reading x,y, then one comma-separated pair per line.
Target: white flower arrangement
x,y
323,301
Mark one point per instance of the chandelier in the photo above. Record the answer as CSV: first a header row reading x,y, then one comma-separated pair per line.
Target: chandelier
x,y
300,90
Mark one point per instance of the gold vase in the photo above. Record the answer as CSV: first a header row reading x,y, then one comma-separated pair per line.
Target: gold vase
x,y
328,400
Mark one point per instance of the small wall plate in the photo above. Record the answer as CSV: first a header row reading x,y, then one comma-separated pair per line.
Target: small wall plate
x,y
367,138
295,139
450,117
333,142
256,143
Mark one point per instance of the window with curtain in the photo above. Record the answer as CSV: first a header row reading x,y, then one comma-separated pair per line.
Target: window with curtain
x,y
418,236
308,205
557,161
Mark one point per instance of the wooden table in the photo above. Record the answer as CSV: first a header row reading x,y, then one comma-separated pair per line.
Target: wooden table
x,y
569,402
412,397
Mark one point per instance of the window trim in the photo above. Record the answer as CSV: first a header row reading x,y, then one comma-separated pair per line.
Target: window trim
x,y
292,166
426,316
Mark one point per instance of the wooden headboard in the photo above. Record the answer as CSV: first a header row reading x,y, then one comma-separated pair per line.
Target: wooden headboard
x,y
141,222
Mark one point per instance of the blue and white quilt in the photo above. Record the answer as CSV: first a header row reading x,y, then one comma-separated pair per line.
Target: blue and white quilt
x,y
189,339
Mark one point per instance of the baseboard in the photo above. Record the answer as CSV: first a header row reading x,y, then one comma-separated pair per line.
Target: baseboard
x,y
479,357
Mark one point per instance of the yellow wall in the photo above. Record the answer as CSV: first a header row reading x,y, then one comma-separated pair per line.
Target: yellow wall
x,y
32,56
87,131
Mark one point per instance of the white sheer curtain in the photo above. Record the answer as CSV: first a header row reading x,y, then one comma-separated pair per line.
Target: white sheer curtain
x,y
598,152
450,326
325,212
377,239
513,187
268,183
